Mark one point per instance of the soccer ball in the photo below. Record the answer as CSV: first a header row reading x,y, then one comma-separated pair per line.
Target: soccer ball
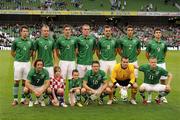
x,y
124,94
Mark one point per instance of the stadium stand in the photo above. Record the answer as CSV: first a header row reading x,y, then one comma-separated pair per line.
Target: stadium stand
x,y
125,5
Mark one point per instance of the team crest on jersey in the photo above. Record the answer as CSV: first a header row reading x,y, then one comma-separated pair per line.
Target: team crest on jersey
x,y
99,77
45,47
29,42
158,49
87,47
157,72
24,48
42,76
68,47
162,45
50,42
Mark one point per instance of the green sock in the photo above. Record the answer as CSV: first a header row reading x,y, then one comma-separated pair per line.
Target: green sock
x,y
78,97
162,94
15,91
142,94
22,92
28,95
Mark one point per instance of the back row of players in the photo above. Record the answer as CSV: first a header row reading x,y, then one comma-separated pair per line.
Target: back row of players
x,y
71,53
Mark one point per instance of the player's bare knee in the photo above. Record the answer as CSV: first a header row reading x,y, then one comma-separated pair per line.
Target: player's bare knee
x,y
83,90
168,90
108,90
26,90
110,84
77,91
49,90
135,85
141,89
60,91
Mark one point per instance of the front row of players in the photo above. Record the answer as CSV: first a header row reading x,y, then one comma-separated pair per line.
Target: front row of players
x,y
94,86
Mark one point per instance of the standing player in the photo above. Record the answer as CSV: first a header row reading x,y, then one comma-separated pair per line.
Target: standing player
x,y
130,47
21,50
123,76
75,85
157,48
37,82
66,47
86,48
95,83
107,50
44,47
152,74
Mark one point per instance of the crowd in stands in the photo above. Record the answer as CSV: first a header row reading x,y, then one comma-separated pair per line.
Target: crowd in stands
x,y
78,4
38,4
144,32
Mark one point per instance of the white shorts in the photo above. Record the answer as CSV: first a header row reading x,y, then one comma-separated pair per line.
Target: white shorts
x,y
66,68
21,70
135,70
163,65
153,88
82,69
50,71
107,65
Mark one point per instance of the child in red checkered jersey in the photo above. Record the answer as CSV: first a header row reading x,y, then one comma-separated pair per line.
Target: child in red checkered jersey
x,y
57,85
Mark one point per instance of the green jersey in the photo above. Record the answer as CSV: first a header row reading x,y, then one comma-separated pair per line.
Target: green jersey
x,y
23,48
94,81
38,79
86,47
152,76
129,47
45,47
75,83
157,49
107,48
67,48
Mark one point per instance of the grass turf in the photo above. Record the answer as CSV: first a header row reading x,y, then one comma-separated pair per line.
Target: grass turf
x,y
119,110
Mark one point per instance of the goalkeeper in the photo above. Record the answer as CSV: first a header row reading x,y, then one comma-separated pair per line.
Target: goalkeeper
x,y
123,76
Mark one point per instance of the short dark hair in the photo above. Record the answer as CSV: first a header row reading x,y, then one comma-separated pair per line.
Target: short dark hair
x,y
23,27
106,26
66,25
56,69
75,70
85,25
38,60
95,62
157,29
153,57
44,25
129,26
124,57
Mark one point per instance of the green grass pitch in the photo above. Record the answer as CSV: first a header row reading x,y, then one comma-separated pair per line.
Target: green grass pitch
x,y
120,110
